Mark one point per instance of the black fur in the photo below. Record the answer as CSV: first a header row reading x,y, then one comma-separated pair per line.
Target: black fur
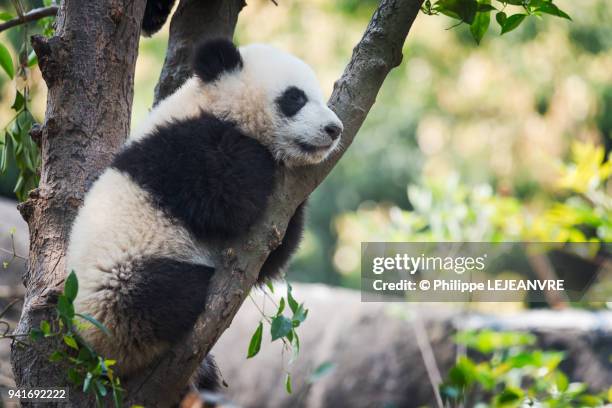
x,y
169,295
213,58
291,101
155,15
278,258
207,375
203,172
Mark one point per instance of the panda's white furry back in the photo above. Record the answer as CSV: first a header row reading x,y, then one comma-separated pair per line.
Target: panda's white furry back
x,y
200,168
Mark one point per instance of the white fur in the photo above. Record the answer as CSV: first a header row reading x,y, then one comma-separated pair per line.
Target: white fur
x,y
248,97
116,228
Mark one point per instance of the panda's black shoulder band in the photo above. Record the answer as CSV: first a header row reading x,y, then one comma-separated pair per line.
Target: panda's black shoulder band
x,y
215,57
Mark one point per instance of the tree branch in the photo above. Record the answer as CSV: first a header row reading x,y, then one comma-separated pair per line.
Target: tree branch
x,y
32,15
194,21
239,261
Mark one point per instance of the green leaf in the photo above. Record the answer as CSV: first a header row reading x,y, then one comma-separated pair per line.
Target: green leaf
x,y
299,316
87,382
86,356
288,384
32,59
464,10
19,102
117,396
95,322
101,389
480,26
270,286
561,381
56,356
36,334
450,392
45,327
6,16
6,61
65,307
295,345
552,9
70,341
501,18
281,307
74,376
19,183
255,344
293,304
281,326
321,371
463,373
71,287
4,160
467,10
512,22
575,389
508,396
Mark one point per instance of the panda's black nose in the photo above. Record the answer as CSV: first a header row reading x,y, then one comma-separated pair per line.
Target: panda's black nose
x,y
333,131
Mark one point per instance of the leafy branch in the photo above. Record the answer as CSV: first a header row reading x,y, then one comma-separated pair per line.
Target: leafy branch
x,y
84,367
281,327
477,13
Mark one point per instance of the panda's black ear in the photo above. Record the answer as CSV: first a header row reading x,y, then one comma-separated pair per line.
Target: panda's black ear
x,y
215,57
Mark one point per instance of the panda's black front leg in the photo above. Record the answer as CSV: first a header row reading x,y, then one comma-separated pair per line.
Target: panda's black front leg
x,y
278,259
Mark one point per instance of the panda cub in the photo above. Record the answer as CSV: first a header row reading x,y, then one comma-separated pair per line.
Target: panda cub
x,y
201,168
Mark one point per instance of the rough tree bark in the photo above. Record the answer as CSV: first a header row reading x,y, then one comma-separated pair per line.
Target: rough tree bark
x,y
88,66
194,21
379,50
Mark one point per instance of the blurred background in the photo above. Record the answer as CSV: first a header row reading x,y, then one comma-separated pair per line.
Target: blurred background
x,y
508,140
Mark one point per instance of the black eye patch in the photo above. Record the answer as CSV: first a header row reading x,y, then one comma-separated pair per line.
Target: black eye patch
x,y
291,101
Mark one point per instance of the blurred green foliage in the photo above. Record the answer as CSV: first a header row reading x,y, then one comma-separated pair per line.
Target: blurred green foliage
x,y
579,210
509,371
19,154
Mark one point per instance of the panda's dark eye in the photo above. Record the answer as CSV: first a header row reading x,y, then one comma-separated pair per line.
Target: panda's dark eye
x,y
291,101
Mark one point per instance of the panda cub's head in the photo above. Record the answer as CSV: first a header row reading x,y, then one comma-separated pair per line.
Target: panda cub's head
x,y
273,96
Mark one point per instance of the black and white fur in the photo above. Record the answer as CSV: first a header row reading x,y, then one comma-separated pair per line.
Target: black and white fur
x,y
201,168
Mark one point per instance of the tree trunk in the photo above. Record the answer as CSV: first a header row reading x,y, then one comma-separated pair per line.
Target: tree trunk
x,y
88,66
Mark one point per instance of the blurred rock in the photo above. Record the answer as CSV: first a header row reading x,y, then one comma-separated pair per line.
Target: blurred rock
x,y
10,278
374,351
